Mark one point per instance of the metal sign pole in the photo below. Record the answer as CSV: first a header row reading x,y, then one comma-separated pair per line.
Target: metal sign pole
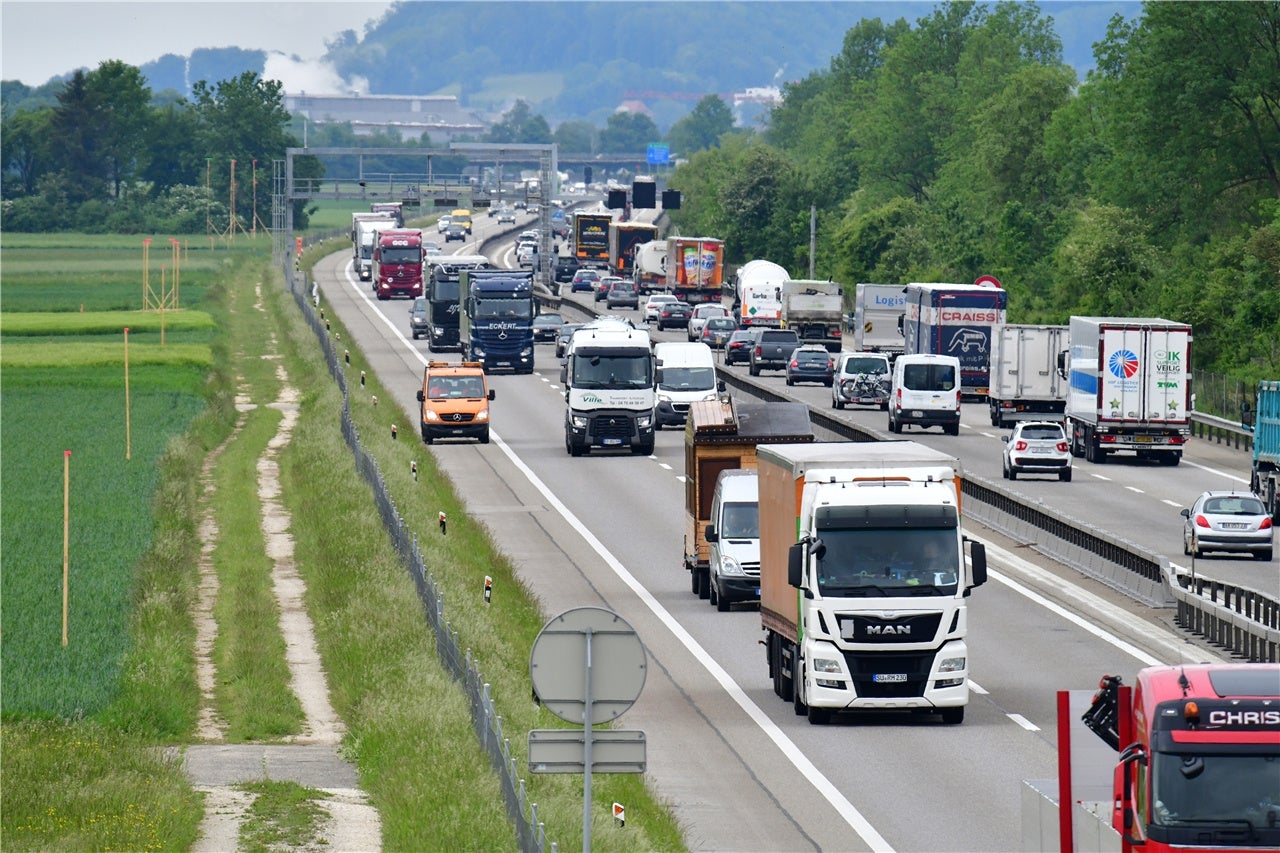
x,y
589,731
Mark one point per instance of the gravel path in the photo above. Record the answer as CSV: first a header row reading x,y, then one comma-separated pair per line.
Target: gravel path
x,y
311,758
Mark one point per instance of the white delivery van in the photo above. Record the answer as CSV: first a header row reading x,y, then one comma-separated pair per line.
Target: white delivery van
x,y
925,392
733,538
686,374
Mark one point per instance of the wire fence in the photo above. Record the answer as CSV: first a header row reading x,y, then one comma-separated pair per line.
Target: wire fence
x,y
530,831
1220,395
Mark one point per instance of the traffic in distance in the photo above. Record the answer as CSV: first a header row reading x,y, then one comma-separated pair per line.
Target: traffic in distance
x,y
1136,366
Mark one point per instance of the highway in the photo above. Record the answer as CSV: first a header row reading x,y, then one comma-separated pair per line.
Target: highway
x,y
740,770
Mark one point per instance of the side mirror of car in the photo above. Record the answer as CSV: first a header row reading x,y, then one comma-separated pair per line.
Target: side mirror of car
x,y
1186,513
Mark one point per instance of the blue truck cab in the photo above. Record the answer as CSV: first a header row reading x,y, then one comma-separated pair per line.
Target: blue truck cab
x,y
444,298
496,326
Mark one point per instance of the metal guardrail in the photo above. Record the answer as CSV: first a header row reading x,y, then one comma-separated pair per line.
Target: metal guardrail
x,y
530,831
1221,431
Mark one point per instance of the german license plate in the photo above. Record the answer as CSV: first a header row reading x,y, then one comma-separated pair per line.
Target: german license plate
x,y
1232,525
757,592
1041,450
889,677
609,441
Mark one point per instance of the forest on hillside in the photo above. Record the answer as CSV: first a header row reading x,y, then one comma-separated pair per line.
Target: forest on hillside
x,y
964,146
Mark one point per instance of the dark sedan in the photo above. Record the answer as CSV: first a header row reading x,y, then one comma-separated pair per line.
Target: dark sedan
x,y
546,327
562,339
675,315
455,231
811,363
716,331
738,347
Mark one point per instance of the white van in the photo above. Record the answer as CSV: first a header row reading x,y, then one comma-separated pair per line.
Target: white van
x,y
925,392
686,374
733,538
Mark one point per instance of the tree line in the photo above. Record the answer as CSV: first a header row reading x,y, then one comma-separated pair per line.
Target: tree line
x,y
963,146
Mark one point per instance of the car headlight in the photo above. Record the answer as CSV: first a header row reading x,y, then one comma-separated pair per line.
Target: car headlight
x,y
482,415
826,665
432,416
664,398
710,396
951,665
477,350
644,421
730,566
527,351
579,422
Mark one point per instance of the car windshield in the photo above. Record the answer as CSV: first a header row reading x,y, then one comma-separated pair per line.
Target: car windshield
x,y
452,387
740,521
1233,505
686,378
853,366
720,324
548,320
1044,433
888,562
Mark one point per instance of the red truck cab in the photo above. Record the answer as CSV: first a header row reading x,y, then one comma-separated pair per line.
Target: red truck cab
x,y
397,259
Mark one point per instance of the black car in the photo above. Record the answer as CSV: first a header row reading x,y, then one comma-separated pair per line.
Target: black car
x,y
675,314
623,294
547,326
603,287
566,267
419,322
562,339
738,347
811,363
455,231
771,349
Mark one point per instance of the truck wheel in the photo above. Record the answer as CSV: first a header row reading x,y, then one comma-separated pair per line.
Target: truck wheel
x,y
1172,459
797,701
484,437
713,594
819,716
952,429
645,449
953,716
753,370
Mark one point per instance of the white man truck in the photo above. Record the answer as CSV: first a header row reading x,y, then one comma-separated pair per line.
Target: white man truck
x,y
862,578
610,389
364,227
1128,387
1025,383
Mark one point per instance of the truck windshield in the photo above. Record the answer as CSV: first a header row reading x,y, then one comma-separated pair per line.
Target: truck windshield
x,y
687,378
611,371
888,562
504,309
1199,790
740,521
401,255
445,291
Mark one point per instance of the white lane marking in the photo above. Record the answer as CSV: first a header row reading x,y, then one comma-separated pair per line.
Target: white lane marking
x,y
1170,503
1135,489
976,688
989,434
1185,461
664,465
1100,477
1024,722
788,747
682,478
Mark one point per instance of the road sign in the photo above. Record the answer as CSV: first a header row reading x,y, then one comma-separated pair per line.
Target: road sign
x,y
658,154
581,643
987,281
565,751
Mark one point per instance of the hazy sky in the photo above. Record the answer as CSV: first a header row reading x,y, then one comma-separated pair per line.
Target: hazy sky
x,y
46,39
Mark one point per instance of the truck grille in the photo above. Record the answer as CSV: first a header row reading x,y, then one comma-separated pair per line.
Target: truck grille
x,y
863,667
457,418
750,569
613,426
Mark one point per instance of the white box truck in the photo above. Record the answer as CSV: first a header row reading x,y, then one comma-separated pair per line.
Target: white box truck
x,y
877,318
862,577
1128,387
1025,382
610,389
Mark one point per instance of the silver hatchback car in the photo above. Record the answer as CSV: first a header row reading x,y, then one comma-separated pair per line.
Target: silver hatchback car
x,y
1228,521
1036,447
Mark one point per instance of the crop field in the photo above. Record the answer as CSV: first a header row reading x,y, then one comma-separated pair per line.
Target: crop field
x,y
62,370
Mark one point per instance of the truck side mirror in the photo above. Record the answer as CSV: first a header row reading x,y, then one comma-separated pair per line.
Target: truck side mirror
x,y
795,565
491,394
977,564
720,386
710,533
421,398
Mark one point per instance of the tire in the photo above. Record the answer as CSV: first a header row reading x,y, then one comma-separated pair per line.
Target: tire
x,y
884,407
1065,476
837,404
753,370
1013,472
790,381
952,429
693,578
819,716
797,704
1172,459
722,604
428,439
645,449
484,437
952,716
704,584
1004,470
1195,549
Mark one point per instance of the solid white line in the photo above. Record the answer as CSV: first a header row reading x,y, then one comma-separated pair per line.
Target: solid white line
x,y
976,688
1024,722
1185,461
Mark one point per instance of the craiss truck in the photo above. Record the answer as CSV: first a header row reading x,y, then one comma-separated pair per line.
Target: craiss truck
x,y
1128,387
862,577
722,435
955,320
1199,756
1025,383
1265,481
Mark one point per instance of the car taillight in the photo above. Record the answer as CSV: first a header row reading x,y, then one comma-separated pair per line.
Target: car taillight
x,y
1266,524
1019,445
795,363
1201,521
759,351
1062,446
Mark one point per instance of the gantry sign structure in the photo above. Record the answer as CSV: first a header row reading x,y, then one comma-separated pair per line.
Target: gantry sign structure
x,y
417,184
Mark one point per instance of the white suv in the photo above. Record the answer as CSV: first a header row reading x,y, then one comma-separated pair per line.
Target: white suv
x,y
653,307
1036,447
